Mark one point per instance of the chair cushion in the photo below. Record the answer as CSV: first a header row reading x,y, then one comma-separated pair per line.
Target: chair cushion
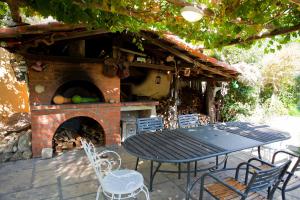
x,y
122,181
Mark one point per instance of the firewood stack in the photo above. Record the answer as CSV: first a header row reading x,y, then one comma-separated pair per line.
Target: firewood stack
x,y
166,110
191,101
67,139
204,119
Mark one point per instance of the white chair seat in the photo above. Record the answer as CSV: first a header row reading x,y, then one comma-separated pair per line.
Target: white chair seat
x,y
122,181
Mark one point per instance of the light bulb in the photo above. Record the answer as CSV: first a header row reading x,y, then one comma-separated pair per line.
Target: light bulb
x,y
191,13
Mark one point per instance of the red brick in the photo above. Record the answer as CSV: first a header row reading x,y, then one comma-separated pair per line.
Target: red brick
x,y
46,118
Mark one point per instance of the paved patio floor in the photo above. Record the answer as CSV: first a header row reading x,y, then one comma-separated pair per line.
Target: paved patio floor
x,y
69,176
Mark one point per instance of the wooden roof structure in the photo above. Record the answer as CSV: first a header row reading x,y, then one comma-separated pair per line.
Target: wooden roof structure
x,y
20,38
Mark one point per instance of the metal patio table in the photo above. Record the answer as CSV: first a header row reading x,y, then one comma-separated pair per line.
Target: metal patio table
x,y
188,145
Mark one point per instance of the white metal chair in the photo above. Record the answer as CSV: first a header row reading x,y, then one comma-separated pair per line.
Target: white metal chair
x,y
115,183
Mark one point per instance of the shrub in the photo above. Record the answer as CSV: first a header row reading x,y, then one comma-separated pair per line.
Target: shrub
x,y
239,101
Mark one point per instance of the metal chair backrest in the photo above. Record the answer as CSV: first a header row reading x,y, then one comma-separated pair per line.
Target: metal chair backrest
x,y
294,167
188,121
149,124
103,162
262,179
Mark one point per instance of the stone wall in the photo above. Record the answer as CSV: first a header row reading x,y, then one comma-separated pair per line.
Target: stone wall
x,y
14,93
15,138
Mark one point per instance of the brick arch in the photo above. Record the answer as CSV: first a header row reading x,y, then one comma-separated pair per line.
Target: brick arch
x,y
91,115
66,80
46,122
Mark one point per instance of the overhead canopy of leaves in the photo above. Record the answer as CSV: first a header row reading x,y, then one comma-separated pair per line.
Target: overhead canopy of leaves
x,y
4,12
224,22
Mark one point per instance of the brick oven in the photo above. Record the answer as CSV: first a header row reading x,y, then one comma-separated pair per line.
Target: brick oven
x,y
72,78
68,60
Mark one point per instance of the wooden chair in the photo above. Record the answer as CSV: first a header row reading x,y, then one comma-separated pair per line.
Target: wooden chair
x,y
290,181
115,183
150,124
234,188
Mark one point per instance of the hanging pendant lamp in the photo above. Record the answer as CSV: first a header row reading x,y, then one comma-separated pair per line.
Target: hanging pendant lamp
x,y
191,13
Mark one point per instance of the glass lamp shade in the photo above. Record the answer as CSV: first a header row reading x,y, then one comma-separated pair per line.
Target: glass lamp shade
x,y
191,13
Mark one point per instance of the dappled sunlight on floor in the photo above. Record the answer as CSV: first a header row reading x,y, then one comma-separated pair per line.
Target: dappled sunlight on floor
x,y
69,176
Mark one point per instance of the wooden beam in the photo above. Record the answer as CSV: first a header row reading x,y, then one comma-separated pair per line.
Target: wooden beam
x,y
150,66
61,36
203,78
60,59
183,56
130,51
77,60
196,52
19,31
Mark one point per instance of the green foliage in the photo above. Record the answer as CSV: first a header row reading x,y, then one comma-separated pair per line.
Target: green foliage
x,y
266,93
294,110
279,92
233,54
4,13
274,106
224,22
240,100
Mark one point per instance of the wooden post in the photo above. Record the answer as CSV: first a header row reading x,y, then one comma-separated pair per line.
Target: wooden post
x,y
210,100
77,48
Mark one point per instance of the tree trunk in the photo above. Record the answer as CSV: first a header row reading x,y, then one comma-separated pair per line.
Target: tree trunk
x,y
210,101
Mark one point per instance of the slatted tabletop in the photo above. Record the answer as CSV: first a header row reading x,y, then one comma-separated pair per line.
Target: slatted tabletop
x,y
170,146
262,133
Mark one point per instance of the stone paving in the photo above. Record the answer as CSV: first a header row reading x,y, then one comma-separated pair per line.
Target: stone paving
x,y
69,176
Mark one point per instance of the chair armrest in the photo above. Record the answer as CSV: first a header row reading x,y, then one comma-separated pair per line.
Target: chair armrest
x,y
261,161
100,155
211,172
220,181
283,152
248,165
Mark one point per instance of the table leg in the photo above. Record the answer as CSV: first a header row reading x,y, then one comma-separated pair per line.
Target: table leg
x,y
259,153
195,169
151,176
187,189
153,173
179,170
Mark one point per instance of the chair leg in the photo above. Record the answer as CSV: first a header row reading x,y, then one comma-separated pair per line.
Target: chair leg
x,y
146,192
225,162
98,192
137,163
283,194
259,152
179,170
201,188
195,169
